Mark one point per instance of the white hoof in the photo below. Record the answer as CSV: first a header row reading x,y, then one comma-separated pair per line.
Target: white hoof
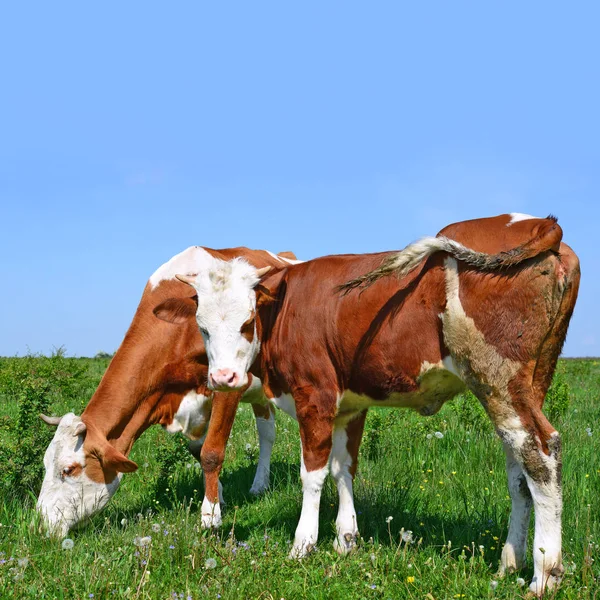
x,y
258,489
211,515
345,542
301,549
551,581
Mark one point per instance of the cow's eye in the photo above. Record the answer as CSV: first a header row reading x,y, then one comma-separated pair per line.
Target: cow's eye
x,y
68,471
204,332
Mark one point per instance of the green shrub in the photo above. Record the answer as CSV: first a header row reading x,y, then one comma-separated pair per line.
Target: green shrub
x,y
470,413
171,451
557,398
32,384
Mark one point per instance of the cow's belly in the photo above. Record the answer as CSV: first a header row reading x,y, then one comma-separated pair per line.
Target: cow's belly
x,y
437,384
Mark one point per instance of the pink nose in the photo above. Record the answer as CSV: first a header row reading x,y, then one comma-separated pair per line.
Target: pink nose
x,y
224,378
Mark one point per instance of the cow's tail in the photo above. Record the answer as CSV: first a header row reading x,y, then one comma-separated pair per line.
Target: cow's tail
x,y
405,261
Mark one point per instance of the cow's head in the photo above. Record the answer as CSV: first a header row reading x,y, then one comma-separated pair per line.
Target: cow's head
x,y
225,307
83,471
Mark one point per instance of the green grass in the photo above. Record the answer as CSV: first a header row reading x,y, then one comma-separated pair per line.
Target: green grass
x,y
450,492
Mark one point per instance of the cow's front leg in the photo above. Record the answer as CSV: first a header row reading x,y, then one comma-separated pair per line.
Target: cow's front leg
x,y
344,460
265,425
315,412
213,453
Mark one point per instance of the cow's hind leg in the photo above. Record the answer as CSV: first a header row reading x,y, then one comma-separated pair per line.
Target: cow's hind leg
x,y
344,457
515,549
535,447
265,424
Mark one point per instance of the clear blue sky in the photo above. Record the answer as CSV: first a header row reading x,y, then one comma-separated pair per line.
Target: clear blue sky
x,y
131,130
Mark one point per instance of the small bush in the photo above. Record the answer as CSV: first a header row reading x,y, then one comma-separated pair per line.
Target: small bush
x,y
557,398
32,384
170,452
470,413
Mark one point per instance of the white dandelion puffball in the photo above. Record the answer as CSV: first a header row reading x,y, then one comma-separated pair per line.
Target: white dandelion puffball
x,y
439,435
68,544
210,563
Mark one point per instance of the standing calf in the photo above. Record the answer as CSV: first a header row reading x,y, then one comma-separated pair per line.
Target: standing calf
x,y
484,306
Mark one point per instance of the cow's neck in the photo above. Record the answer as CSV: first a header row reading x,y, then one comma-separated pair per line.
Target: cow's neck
x,y
147,377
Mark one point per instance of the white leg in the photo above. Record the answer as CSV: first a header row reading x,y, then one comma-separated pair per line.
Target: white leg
x,y
547,503
266,438
307,531
211,514
515,549
341,461
542,473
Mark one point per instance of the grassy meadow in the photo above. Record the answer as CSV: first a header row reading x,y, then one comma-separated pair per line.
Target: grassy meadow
x,y
441,478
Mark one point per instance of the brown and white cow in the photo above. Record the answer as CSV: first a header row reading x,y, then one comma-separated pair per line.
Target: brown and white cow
x,y
157,376
485,305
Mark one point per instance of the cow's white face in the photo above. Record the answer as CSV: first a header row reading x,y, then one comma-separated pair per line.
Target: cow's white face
x,y
226,317
68,495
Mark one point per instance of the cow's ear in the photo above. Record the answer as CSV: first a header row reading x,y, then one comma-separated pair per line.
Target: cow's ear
x,y
176,310
287,254
270,287
116,461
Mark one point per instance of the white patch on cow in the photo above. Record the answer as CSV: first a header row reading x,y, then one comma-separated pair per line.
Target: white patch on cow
x,y
340,463
515,217
191,416
307,531
192,260
286,403
226,300
266,439
289,261
65,501
211,514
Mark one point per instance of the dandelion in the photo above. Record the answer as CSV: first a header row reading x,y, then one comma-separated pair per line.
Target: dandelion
x,y
588,430
493,584
520,582
248,447
68,544
407,536
439,435
188,465
410,579
123,522
389,519
142,542
210,563
429,436
23,562
19,577
156,528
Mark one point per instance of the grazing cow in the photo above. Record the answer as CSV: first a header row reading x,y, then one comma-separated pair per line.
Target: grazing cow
x,y
483,306
157,376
